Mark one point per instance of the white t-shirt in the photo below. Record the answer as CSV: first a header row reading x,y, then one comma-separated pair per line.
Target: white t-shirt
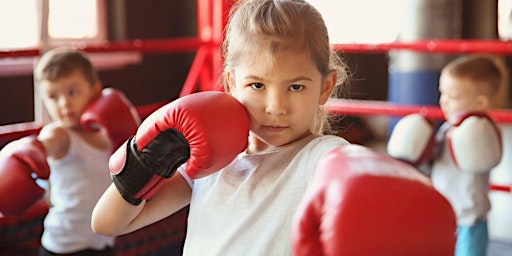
x,y
77,181
248,207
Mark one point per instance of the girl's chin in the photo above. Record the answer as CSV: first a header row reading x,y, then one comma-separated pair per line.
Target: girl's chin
x,y
263,143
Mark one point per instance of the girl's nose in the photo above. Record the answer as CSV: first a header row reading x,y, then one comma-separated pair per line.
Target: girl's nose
x,y
276,104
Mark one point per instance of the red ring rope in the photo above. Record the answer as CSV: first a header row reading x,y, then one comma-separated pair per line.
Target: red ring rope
x,y
369,107
191,44
439,46
337,106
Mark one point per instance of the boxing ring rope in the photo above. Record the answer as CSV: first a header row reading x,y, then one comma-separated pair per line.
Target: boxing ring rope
x,y
451,46
376,108
207,61
159,46
190,44
369,107
211,19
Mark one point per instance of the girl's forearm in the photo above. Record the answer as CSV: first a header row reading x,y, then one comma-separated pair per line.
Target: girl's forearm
x,y
112,215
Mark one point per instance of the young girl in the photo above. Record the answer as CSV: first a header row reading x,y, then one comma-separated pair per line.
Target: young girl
x,y
280,66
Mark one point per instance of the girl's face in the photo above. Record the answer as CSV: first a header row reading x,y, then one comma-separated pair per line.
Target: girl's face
x,y
459,96
282,98
66,98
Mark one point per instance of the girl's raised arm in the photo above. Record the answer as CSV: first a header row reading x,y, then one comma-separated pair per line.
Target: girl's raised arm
x,y
114,216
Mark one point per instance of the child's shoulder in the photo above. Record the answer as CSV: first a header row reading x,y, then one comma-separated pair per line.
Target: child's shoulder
x,y
325,142
55,138
330,140
53,130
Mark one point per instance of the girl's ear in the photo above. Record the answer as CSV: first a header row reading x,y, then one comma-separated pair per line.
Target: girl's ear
x,y
328,84
230,80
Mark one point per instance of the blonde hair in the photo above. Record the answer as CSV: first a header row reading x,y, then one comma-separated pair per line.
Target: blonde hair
x,y
273,26
483,70
60,62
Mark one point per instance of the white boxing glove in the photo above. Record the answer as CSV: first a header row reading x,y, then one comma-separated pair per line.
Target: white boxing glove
x,y
474,142
412,140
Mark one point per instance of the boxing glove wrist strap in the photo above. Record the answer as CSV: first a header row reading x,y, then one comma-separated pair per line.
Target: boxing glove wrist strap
x,y
145,170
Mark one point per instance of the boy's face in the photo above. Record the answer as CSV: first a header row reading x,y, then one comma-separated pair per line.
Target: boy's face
x,y
282,98
459,96
66,98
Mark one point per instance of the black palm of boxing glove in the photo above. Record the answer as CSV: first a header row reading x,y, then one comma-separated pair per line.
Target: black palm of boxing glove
x,y
140,176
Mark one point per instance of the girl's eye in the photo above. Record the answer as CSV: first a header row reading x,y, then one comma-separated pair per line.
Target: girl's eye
x,y
297,87
257,86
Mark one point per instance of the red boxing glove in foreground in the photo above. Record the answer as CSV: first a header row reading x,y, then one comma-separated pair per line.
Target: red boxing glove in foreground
x,y
22,162
206,129
364,203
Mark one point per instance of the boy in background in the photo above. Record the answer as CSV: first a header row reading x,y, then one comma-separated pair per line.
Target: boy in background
x,y
466,146
72,152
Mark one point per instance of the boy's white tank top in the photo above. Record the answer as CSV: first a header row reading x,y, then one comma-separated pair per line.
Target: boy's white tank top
x,y
77,181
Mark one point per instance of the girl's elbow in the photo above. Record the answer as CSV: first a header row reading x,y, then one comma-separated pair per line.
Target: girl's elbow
x,y
101,229
102,226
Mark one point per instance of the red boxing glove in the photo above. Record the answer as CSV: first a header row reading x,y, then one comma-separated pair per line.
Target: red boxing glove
x,y
206,129
114,113
474,142
361,202
21,163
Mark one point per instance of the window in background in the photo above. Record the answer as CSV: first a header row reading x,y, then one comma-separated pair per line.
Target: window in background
x,y
18,24
361,21
505,19
46,24
378,21
77,20
62,21
83,15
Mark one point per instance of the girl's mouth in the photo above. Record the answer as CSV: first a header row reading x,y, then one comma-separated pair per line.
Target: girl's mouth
x,y
274,129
